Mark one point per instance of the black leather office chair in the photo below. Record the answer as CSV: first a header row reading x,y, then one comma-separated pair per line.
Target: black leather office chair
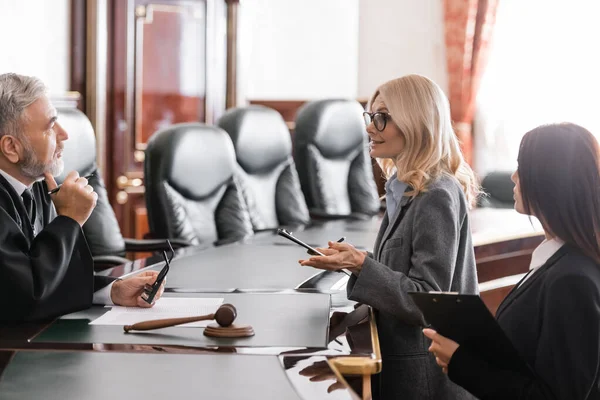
x,y
331,156
498,188
191,190
101,230
267,172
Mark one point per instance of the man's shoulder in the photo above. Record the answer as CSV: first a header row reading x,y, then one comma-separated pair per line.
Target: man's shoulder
x,y
7,196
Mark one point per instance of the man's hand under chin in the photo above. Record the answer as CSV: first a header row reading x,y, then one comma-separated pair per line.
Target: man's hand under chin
x,y
76,199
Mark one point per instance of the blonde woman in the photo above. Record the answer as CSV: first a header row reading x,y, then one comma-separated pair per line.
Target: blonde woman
x,y
424,242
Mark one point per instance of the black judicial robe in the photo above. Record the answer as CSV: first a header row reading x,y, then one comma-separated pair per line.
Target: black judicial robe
x,y
47,275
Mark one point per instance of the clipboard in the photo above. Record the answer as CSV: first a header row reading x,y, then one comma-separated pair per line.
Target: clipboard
x,y
465,319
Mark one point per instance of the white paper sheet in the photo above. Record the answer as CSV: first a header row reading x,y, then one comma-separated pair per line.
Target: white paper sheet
x,y
165,307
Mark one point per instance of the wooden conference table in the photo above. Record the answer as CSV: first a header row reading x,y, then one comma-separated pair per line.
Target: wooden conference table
x,y
300,349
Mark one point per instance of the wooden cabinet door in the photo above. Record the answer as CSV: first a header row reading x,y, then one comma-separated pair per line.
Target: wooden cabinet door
x,y
167,63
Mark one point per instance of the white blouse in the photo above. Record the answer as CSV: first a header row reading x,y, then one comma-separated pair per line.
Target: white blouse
x,y
541,254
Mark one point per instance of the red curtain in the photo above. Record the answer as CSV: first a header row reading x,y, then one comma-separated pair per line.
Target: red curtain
x,y
468,29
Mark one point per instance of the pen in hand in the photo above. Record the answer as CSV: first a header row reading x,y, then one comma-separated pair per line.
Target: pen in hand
x,y
340,240
344,270
56,189
347,272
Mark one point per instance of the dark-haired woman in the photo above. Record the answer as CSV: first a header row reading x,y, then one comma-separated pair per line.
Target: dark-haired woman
x,y
552,316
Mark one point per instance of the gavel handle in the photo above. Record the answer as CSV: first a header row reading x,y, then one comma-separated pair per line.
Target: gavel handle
x,y
164,323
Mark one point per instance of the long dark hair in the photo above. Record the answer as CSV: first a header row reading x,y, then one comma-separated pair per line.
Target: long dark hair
x,y
559,177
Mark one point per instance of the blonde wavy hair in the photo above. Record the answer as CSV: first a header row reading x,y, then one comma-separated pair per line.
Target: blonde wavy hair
x,y
420,109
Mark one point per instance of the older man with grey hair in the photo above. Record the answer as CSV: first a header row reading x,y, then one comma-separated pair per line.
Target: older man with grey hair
x,y
46,267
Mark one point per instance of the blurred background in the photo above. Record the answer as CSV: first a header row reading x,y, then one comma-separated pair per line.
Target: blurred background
x,y
136,66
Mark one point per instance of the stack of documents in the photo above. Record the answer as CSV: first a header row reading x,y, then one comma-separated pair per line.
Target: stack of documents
x,y
165,307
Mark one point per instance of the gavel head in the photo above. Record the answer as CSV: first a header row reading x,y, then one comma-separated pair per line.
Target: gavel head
x,y
225,315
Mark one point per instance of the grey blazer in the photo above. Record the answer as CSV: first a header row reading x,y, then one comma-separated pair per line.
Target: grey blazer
x,y
426,246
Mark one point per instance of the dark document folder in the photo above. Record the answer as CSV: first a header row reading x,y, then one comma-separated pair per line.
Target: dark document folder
x,y
465,319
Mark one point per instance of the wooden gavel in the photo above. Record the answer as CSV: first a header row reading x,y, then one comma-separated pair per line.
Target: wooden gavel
x,y
224,316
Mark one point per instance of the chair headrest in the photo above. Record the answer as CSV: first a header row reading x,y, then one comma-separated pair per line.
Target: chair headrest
x,y
260,137
499,185
335,127
194,158
80,149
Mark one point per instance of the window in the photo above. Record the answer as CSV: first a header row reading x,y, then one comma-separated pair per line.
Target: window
x,y
544,67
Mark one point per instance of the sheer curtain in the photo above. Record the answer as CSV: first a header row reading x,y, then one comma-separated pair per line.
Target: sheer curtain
x,y
544,67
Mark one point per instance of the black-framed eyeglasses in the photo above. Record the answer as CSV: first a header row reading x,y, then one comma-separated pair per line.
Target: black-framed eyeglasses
x,y
151,290
379,119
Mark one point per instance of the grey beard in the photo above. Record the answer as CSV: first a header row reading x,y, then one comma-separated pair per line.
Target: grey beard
x,y
32,168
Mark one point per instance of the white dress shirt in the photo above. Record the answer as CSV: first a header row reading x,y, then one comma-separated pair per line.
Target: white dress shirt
x,y
541,254
101,296
19,186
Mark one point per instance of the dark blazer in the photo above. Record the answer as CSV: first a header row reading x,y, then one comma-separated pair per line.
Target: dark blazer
x,y
553,320
45,276
426,246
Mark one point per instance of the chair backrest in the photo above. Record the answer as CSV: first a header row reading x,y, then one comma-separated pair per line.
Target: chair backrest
x,y
498,187
267,172
331,156
191,190
102,229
